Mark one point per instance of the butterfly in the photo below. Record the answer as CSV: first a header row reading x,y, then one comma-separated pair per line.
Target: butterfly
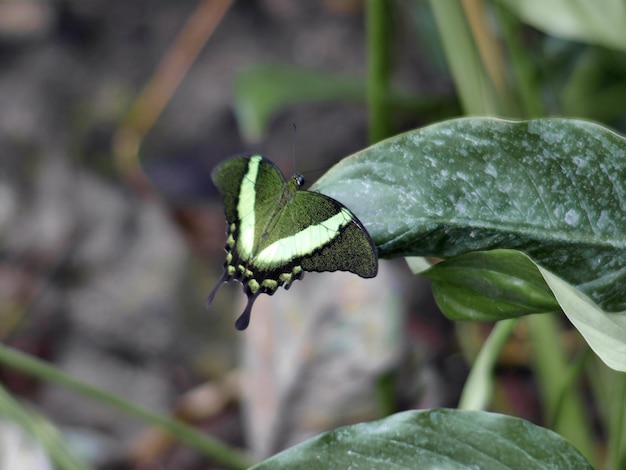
x,y
277,231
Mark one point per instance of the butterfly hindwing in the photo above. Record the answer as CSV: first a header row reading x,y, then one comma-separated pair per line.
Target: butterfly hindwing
x,y
316,232
351,248
276,231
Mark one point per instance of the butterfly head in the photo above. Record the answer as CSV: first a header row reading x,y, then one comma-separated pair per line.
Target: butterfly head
x,y
298,179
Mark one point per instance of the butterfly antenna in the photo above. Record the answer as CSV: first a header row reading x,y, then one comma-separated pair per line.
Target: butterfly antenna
x,y
293,145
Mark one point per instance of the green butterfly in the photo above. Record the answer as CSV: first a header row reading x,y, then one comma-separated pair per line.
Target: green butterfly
x,y
276,231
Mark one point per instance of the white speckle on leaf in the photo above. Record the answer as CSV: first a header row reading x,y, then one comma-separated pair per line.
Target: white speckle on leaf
x,y
571,217
461,176
491,170
604,220
580,162
460,208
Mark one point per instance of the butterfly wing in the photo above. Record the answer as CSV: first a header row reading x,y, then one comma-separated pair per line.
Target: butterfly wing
x,y
318,233
276,232
251,187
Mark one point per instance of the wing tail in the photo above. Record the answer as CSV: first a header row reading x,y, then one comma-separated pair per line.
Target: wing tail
x,y
244,319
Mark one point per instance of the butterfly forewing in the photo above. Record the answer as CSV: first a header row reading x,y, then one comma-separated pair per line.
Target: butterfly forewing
x,y
228,177
251,189
270,188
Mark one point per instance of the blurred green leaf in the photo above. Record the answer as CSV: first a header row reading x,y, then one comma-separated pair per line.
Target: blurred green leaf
x,y
596,88
263,90
554,189
599,22
438,438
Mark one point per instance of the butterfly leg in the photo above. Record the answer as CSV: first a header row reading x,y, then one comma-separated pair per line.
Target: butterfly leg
x,y
223,278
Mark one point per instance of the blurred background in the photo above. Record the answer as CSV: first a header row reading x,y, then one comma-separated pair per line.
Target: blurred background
x,y
112,116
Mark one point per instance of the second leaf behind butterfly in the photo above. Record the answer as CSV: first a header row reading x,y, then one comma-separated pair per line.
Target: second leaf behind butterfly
x,y
277,231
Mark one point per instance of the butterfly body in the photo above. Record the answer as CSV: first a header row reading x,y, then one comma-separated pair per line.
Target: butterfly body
x,y
276,231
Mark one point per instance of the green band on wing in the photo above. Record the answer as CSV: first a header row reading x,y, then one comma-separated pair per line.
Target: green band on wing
x,y
245,207
304,242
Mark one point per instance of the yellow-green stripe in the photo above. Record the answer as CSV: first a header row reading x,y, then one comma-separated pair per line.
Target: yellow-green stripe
x,y
304,242
245,208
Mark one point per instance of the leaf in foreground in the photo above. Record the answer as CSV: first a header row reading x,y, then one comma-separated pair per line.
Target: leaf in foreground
x,y
438,438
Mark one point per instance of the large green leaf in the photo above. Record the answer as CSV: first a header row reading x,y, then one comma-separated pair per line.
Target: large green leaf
x,y
554,189
438,438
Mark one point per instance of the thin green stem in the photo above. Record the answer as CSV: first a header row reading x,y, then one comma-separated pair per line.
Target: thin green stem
x,y
571,376
478,388
617,422
377,18
206,445
473,84
564,412
524,72
385,394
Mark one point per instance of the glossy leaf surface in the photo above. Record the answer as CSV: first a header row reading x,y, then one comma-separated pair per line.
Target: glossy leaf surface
x,y
437,438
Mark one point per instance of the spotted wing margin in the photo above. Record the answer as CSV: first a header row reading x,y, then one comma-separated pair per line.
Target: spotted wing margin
x,y
319,234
